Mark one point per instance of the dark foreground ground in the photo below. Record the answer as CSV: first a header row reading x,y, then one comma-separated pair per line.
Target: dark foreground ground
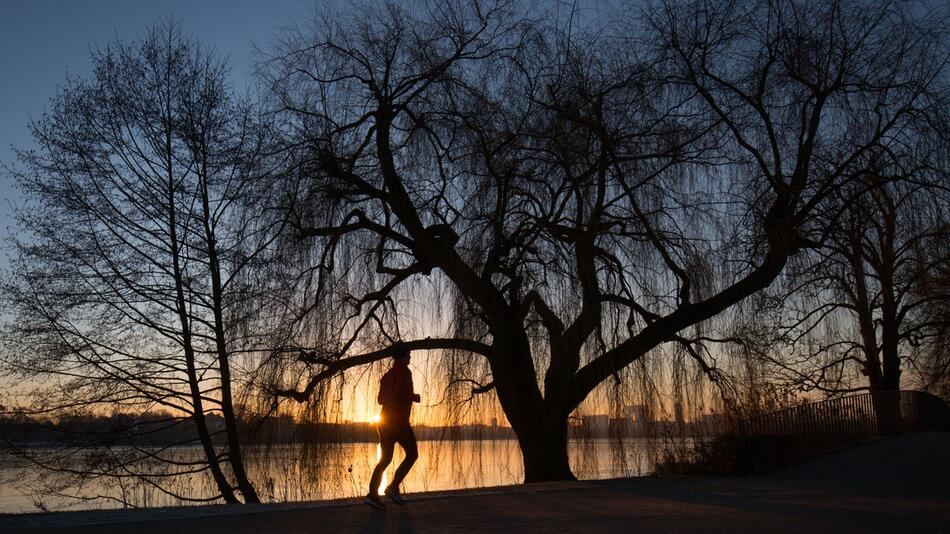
x,y
897,485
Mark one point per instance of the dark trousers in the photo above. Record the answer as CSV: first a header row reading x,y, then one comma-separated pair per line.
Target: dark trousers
x,y
389,436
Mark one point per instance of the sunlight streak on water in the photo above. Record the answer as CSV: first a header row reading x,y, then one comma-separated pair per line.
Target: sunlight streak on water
x,y
285,473
385,481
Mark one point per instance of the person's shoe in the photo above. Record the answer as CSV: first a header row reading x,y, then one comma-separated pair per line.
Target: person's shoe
x,y
393,493
373,501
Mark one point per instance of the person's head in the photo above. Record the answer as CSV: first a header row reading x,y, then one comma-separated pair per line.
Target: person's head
x,y
400,355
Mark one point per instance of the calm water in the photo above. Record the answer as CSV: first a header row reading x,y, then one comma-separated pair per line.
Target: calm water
x,y
289,473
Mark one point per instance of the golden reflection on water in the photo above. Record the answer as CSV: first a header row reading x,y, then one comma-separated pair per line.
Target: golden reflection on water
x,y
379,456
286,473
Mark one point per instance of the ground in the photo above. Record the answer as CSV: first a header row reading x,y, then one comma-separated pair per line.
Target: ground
x,y
900,484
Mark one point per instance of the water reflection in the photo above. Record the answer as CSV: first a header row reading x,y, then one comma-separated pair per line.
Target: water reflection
x,y
296,473
385,480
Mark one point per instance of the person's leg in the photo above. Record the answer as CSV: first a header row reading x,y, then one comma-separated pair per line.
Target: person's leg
x,y
386,443
407,439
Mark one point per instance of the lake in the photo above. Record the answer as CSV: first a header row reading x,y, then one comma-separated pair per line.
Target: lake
x,y
295,473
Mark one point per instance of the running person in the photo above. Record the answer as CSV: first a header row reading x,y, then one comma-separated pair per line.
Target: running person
x,y
396,395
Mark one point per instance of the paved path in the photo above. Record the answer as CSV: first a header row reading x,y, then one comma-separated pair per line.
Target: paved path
x,y
896,485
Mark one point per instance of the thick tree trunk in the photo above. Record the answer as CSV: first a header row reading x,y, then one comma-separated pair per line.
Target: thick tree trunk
x,y
886,394
540,428
886,376
887,410
544,449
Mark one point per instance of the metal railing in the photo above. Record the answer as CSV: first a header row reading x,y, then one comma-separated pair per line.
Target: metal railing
x,y
781,437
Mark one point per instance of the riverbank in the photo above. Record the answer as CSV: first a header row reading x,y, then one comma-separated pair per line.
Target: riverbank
x,y
895,485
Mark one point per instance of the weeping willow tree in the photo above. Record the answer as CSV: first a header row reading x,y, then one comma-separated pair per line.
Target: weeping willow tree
x,y
550,205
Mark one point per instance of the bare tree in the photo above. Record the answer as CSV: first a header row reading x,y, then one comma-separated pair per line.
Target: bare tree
x,y
583,195
935,365
860,318
128,292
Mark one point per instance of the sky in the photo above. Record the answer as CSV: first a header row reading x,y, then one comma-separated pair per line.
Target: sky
x,y
43,41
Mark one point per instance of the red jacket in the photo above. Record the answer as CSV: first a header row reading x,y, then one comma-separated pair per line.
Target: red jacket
x,y
396,395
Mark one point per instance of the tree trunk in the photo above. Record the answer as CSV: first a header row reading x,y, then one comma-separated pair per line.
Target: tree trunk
x,y
544,449
887,410
194,380
230,422
540,427
217,303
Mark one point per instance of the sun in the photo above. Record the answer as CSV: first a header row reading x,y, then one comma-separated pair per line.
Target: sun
x,y
376,418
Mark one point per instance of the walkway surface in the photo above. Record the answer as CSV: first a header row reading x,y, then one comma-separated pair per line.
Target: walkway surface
x,y
901,484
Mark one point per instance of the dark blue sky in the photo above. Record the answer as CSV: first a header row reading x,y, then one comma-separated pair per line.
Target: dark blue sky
x,y
43,40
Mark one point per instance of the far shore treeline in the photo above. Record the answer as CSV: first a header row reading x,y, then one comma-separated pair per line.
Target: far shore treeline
x,y
24,432
150,430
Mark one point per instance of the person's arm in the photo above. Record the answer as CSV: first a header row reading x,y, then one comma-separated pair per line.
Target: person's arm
x,y
411,393
403,387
